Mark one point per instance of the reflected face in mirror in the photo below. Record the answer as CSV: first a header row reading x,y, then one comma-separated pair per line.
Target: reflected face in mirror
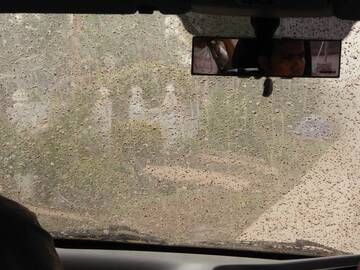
x,y
285,59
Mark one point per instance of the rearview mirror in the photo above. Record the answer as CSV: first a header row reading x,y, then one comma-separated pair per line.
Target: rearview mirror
x,y
274,58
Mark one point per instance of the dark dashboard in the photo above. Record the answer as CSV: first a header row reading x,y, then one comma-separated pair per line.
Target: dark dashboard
x,y
76,259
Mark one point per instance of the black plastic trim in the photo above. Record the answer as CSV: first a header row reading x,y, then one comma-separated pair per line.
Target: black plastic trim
x,y
107,245
344,9
95,6
340,262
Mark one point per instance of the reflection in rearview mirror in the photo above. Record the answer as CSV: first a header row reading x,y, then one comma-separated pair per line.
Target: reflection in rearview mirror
x,y
275,58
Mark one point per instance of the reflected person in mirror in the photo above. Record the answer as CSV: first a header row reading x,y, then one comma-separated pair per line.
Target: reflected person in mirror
x,y
213,56
203,61
283,58
252,57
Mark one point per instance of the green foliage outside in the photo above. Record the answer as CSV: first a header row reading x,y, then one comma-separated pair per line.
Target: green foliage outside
x,y
13,155
73,159
233,121
137,141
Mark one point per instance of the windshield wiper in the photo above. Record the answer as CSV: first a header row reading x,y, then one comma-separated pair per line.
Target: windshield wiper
x,y
113,233
299,247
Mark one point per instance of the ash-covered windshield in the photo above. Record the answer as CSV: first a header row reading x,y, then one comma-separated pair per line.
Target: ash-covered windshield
x,y
103,127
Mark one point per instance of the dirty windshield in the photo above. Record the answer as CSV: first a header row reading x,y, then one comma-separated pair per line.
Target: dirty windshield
x,y
105,134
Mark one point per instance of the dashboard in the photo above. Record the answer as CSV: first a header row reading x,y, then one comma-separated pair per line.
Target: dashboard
x,y
76,259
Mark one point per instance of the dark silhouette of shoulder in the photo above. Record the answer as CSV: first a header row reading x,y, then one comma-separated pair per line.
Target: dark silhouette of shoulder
x,y
24,243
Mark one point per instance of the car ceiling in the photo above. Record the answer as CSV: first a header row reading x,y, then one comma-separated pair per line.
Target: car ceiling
x,y
344,9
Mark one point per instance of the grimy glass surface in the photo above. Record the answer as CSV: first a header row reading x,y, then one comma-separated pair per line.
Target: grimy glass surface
x,y
277,57
104,131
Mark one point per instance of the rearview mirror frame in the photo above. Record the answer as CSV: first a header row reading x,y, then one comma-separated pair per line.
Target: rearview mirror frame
x,y
309,55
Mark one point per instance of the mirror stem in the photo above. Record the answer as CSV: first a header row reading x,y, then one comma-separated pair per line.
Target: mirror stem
x,y
265,29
